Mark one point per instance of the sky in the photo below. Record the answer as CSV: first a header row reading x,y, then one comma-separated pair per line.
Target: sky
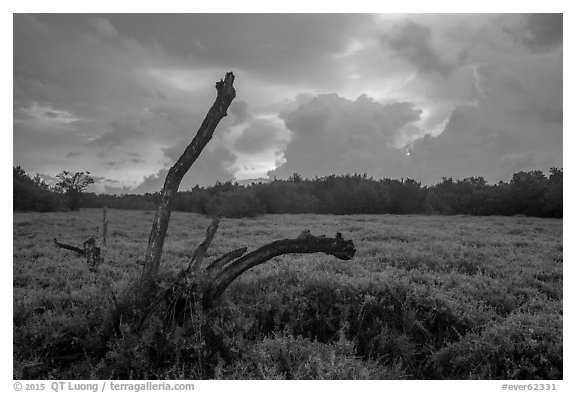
x,y
421,96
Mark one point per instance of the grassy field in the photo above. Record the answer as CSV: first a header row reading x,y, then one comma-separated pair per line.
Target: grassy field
x,y
424,297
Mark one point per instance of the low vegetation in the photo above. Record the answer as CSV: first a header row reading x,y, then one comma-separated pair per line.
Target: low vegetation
x,y
425,297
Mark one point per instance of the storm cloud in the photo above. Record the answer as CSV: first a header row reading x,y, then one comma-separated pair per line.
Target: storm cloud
x,y
331,134
413,42
423,96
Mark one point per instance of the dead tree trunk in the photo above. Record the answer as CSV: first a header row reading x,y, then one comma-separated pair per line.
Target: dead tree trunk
x,y
221,272
225,95
194,281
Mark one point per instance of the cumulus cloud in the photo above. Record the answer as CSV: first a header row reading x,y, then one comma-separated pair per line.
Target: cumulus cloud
x,y
152,183
239,109
254,134
478,142
255,139
260,135
331,134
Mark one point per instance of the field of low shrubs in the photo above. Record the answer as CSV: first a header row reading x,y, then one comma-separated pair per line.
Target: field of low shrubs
x,y
425,297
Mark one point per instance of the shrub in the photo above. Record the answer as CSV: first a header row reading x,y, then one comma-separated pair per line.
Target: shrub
x,y
525,346
288,357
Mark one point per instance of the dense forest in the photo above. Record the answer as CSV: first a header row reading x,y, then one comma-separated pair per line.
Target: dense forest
x,y
529,193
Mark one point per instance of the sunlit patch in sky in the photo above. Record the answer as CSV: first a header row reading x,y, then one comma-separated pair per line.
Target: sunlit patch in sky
x,y
265,135
184,79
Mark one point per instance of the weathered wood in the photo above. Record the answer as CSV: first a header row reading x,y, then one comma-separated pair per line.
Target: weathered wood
x,y
93,253
225,259
89,250
225,95
69,247
337,246
200,253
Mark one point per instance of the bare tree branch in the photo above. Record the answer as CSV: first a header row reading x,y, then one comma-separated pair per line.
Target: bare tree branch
x,y
225,259
69,247
225,95
200,253
340,248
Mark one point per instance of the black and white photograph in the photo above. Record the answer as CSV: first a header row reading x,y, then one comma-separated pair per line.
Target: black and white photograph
x,y
287,196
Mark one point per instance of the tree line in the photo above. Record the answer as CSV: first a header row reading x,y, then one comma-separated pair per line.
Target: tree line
x,y
34,194
530,193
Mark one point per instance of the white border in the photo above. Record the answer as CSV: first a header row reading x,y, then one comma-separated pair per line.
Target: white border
x,y
433,6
